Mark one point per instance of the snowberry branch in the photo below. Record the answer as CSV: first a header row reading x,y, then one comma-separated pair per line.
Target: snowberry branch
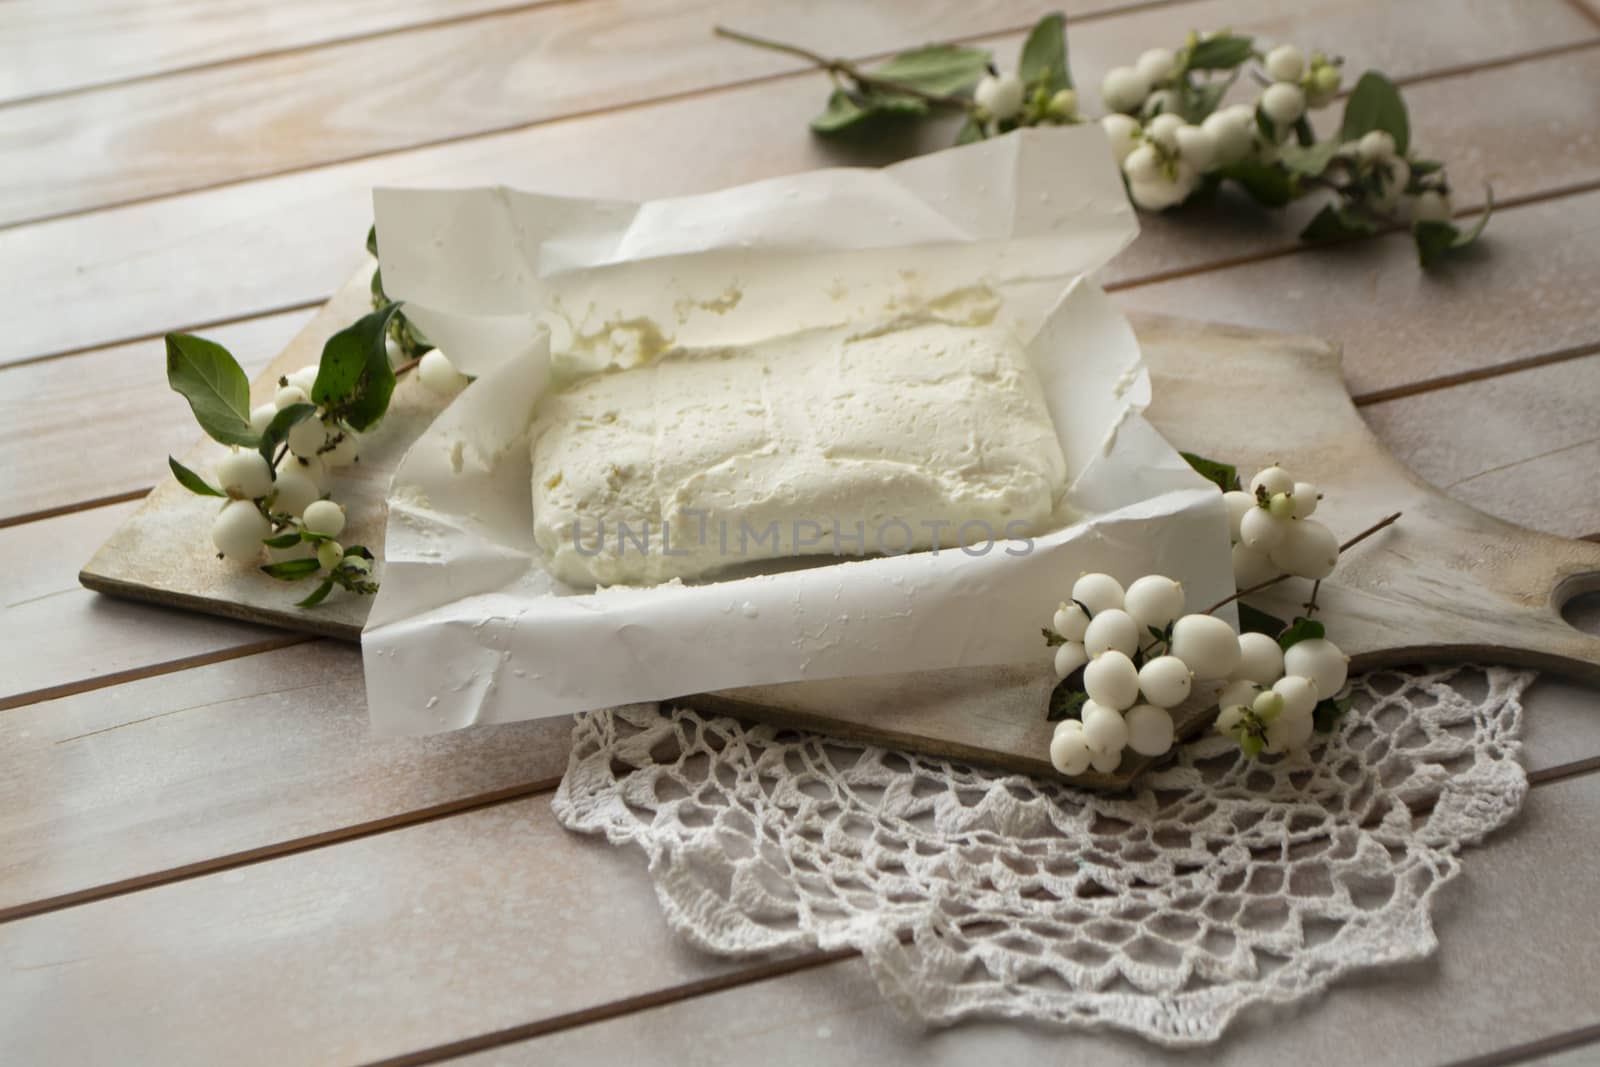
x,y
1388,520
848,69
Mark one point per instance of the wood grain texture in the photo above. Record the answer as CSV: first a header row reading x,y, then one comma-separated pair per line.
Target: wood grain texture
x,y
53,632
47,460
233,760
494,919
313,222
282,113
1511,968
43,44
1522,446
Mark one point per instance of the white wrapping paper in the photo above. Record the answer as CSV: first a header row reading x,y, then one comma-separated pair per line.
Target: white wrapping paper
x,y
469,628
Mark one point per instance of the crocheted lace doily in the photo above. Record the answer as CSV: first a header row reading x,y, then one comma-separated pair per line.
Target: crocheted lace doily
x,y
1217,884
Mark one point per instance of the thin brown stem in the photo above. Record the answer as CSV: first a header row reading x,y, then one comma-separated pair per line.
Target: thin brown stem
x,y
845,67
1259,586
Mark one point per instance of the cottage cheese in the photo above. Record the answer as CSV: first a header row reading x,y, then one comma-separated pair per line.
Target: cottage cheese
x,y
817,444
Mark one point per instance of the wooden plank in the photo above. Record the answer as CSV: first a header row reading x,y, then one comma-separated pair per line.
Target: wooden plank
x,y
1512,967
51,457
494,919
55,633
53,48
188,260
1526,290
233,760
1521,446
345,101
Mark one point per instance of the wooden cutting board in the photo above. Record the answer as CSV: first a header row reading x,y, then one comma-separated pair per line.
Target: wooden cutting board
x,y
1446,583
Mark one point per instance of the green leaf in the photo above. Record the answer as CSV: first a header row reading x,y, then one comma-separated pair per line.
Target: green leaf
x,y
1224,51
1309,160
291,570
1225,475
1067,698
1375,104
360,552
1326,715
1334,223
354,379
379,297
1044,55
214,384
1201,100
277,430
1435,238
1255,621
318,595
192,481
846,112
1268,129
372,240
971,130
1421,167
1051,638
283,540
1302,629
945,69
1269,185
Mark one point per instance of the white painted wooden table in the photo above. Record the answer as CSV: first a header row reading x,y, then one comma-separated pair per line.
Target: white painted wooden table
x,y
203,856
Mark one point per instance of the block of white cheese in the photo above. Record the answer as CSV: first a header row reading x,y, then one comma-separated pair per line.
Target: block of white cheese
x,y
918,436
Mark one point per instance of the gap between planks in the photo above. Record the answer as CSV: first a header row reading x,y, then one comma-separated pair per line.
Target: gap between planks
x,y
1437,74
1562,1042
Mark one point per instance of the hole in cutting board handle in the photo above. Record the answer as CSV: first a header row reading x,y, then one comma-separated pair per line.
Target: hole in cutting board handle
x,y
1578,601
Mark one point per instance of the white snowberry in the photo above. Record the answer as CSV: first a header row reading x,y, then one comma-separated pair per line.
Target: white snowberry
x,y
1239,693
1143,164
1289,733
1069,657
1261,530
1097,592
1107,761
1111,680
439,375
1308,549
1273,480
304,379
1375,146
1112,629
324,517
1207,644
1268,705
245,474
1162,102
1064,104
1286,63
1319,661
1229,717
1070,622
1166,681
1237,502
1123,88
1104,727
1149,730
1260,659
1000,96
345,450
1251,568
1431,205
1299,694
1069,749
1162,192
239,529
1124,132
329,553
1281,506
1396,175
289,395
1305,498
358,564
307,436
1157,64
1283,103
261,416
1154,600
1233,129
296,486
1198,146
1163,130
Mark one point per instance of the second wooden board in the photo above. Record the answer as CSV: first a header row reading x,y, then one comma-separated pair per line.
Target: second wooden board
x,y
1445,583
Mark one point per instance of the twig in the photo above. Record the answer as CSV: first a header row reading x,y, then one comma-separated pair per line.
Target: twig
x,y
1356,540
848,69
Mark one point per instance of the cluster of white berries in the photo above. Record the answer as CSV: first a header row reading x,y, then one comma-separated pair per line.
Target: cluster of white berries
x,y
1004,98
1130,688
264,500
1270,701
1375,159
1273,532
1165,157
